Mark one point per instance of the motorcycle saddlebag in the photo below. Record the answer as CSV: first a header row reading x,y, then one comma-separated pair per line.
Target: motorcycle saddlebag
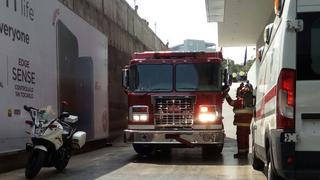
x,y
71,119
79,139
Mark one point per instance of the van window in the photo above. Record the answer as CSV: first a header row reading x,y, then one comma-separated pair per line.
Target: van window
x,y
308,47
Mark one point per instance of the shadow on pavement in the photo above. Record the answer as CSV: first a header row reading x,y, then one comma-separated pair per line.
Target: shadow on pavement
x,y
120,158
91,165
193,156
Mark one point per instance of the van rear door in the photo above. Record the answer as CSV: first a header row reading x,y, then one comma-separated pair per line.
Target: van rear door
x,y
308,77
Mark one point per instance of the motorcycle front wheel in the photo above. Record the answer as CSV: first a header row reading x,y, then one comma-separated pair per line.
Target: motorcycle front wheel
x,y
35,163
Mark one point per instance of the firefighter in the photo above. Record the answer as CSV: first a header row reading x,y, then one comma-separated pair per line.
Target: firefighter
x,y
239,88
249,85
242,119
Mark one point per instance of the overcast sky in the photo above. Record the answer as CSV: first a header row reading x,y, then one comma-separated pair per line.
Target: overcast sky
x,y
177,20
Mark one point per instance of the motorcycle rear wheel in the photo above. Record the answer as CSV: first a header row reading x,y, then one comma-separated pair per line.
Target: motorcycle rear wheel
x,y
35,163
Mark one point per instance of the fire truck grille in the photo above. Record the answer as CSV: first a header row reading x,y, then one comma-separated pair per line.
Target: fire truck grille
x,y
173,112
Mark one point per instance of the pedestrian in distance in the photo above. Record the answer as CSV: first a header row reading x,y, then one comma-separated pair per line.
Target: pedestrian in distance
x,y
243,109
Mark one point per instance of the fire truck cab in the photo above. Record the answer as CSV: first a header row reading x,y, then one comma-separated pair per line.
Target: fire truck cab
x,y
175,100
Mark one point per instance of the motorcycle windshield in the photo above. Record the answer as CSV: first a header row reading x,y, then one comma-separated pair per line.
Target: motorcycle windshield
x,y
46,115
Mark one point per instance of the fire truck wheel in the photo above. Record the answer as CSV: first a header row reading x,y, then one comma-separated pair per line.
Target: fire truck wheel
x,y
163,151
143,149
212,149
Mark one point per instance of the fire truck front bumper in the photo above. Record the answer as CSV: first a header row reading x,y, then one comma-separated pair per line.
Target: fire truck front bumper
x,y
192,137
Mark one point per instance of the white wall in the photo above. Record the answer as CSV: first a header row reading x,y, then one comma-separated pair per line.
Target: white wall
x,y
37,20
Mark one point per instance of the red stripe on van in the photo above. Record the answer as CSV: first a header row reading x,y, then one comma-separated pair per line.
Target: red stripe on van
x,y
266,98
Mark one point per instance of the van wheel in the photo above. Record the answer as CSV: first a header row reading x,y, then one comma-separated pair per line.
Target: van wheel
x,y
257,164
271,172
143,149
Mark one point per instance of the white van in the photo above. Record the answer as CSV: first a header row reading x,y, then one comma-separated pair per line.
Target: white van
x,y
286,128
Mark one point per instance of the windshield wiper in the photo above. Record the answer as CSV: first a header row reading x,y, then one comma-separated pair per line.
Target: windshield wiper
x,y
187,88
160,89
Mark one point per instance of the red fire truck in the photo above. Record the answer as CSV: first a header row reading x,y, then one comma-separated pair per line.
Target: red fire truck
x,y
175,100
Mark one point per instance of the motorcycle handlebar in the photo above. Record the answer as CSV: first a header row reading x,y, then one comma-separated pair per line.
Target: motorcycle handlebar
x,y
29,108
25,107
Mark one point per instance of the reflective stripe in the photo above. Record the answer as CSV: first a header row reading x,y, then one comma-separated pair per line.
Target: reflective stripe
x,y
243,124
243,111
243,150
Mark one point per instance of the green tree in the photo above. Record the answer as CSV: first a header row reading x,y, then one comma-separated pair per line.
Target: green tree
x,y
236,68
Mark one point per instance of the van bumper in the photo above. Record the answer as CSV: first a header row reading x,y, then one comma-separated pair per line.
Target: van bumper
x,y
195,137
291,164
301,174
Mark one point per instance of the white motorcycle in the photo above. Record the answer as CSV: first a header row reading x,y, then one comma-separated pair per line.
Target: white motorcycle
x,y
53,140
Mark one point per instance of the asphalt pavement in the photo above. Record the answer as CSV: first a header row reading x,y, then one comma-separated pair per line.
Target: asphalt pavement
x,y
120,162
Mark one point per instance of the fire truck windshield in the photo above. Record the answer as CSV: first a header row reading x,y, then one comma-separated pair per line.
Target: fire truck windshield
x,y
151,77
198,77
189,77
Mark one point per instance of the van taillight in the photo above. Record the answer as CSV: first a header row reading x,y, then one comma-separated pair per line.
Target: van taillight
x,y
286,99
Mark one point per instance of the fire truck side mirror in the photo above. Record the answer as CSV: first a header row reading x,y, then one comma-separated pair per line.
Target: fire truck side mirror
x,y
125,79
230,79
226,78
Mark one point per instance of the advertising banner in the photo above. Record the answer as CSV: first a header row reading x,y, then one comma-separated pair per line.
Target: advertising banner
x,y
48,54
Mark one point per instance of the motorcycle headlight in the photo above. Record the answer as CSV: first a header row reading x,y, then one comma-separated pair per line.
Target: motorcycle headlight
x,y
139,113
40,130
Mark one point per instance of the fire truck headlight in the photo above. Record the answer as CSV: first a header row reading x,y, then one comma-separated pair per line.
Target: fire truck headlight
x,y
136,118
204,109
144,117
207,117
207,113
139,113
140,117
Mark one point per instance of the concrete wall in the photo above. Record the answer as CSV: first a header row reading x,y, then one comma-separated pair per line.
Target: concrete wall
x,y
126,33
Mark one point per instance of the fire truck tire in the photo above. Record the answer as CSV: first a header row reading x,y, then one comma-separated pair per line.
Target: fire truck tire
x,y
143,149
163,151
212,149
